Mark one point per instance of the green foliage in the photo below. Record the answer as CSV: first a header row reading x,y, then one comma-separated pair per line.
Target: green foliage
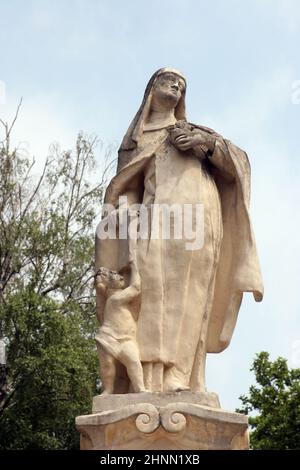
x,y
52,372
275,404
47,305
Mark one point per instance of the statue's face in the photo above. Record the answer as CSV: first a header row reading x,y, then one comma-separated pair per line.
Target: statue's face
x,y
117,283
168,89
110,279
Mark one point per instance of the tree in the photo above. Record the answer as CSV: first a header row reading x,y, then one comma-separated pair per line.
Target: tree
x,y
275,402
47,305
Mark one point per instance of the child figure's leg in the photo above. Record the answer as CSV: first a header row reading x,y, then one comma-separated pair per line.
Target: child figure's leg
x,y
129,356
107,370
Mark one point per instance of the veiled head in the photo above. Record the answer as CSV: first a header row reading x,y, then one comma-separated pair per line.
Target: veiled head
x,y
161,87
167,90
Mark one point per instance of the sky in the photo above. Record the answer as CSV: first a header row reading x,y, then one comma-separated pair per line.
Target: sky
x,y
84,65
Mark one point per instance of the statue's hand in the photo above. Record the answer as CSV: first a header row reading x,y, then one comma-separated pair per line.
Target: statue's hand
x,y
185,139
181,138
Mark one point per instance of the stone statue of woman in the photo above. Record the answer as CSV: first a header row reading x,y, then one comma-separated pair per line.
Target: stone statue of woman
x,y
189,299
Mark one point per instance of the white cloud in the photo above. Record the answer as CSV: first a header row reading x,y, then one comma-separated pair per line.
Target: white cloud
x,y
41,122
287,11
253,110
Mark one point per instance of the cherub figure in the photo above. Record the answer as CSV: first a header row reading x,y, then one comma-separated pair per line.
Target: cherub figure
x,y
116,337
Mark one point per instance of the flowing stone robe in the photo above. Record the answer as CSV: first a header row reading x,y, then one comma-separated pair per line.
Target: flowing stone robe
x,y
189,298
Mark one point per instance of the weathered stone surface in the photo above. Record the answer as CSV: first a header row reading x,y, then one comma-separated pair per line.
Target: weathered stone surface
x,y
173,424
165,301
110,402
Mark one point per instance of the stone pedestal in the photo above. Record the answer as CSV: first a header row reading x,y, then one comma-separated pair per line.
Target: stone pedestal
x,y
179,421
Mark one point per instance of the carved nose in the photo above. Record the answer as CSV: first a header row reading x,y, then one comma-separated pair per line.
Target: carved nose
x,y
175,86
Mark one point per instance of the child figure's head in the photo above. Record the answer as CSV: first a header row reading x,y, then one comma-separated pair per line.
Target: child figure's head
x,y
109,279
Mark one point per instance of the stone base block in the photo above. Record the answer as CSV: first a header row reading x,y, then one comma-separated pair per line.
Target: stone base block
x,y
179,421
